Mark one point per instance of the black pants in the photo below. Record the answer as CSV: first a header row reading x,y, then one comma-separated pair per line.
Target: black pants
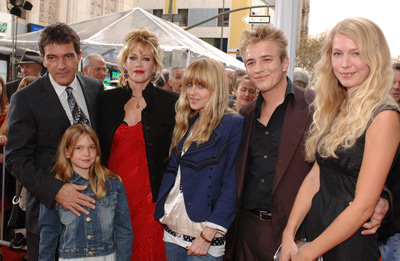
x,y
32,244
254,240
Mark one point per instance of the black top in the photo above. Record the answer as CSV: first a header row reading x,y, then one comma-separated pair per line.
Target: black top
x,y
158,121
12,87
263,153
338,180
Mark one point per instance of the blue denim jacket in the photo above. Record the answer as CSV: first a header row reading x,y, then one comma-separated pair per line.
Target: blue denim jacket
x,y
107,229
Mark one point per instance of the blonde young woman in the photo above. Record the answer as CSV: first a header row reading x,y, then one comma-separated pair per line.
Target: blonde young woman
x,y
197,198
353,141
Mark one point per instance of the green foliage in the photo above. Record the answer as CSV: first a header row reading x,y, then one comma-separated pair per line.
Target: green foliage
x,y
308,54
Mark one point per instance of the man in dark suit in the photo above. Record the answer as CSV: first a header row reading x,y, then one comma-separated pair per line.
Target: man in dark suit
x,y
39,115
31,65
271,162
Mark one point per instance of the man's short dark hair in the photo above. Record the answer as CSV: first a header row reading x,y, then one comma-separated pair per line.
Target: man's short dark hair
x,y
59,33
396,66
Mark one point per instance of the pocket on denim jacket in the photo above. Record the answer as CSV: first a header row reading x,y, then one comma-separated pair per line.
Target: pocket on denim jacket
x,y
66,216
106,207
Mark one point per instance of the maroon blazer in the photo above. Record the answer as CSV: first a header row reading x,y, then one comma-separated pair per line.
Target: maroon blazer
x,y
291,168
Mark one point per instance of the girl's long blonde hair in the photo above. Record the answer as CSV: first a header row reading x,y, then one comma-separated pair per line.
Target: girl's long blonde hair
x,y
98,174
211,74
343,115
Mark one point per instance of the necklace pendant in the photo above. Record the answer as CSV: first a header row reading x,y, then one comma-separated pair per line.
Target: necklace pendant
x,y
137,106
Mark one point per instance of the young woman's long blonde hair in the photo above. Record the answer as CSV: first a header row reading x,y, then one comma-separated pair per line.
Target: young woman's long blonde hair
x,y
211,74
343,115
98,174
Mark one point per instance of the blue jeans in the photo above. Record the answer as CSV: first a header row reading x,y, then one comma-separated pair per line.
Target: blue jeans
x,y
391,250
178,253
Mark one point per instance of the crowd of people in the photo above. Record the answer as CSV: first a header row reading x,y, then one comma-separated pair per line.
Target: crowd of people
x,y
207,162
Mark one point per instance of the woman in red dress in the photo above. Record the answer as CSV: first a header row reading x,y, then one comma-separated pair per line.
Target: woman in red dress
x,y
3,139
136,124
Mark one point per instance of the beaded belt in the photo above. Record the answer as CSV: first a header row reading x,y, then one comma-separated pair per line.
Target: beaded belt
x,y
218,241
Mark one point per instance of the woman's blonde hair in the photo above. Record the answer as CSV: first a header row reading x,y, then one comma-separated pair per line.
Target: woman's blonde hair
x,y
26,81
343,115
98,175
3,98
211,74
144,38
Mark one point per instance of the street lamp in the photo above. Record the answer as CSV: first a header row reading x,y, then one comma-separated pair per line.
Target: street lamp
x,y
15,9
17,5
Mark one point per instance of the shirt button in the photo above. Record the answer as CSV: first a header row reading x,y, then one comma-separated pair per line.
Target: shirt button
x,y
262,180
150,144
90,237
147,128
267,133
265,157
88,219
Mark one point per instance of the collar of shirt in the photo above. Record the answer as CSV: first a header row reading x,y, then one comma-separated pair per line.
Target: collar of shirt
x,y
61,89
78,179
289,96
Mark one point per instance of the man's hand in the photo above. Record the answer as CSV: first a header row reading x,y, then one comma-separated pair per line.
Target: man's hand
x,y
69,197
3,140
375,221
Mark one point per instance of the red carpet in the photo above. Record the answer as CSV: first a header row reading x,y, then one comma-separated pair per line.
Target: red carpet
x,y
9,255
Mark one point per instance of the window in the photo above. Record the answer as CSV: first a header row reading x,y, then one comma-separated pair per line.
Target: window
x,y
223,20
158,12
184,14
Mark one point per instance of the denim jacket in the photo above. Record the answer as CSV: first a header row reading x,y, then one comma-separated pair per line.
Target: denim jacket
x,y
107,228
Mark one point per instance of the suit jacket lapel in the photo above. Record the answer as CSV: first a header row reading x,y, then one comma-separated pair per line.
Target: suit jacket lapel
x,y
90,103
52,98
241,164
293,130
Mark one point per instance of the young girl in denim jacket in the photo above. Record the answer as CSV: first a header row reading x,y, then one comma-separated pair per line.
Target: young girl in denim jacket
x,y
106,232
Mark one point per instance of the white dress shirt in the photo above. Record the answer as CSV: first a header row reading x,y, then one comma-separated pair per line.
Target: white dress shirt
x,y
63,96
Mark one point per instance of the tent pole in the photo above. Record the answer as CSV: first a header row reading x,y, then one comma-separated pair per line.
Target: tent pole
x,y
14,45
221,44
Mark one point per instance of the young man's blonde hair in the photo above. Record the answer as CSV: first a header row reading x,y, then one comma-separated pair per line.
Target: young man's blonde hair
x,y
264,33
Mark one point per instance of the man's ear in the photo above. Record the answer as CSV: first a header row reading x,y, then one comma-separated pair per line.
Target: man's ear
x,y
43,61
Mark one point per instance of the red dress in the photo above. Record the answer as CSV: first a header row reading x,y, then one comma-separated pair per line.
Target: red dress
x,y
128,159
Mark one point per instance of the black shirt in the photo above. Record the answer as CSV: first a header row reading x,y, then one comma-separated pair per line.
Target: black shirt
x,y
263,153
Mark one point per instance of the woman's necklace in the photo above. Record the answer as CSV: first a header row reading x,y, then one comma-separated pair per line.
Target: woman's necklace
x,y
138,98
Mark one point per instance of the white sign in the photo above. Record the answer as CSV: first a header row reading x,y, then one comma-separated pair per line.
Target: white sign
x,y
259,19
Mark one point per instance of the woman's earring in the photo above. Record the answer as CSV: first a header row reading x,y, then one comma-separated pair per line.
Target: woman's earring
x,y
126,74
153,76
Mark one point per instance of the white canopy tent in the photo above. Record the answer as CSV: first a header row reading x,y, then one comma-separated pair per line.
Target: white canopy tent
x,y
104,35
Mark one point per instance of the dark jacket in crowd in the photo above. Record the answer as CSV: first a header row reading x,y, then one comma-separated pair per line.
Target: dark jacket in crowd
x,y
158,120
